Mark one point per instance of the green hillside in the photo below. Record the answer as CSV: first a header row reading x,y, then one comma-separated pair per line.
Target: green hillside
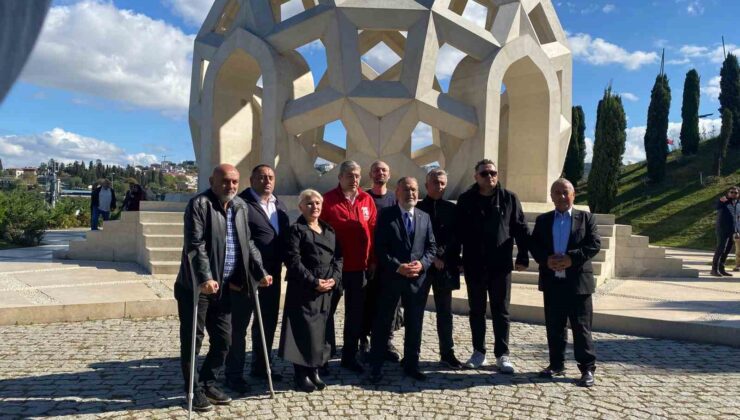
x,y
678,212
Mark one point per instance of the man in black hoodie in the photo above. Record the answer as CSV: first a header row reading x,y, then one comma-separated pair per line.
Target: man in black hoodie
x,y
488,220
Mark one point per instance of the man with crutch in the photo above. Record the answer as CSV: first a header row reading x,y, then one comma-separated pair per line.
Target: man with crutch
x,y
216,247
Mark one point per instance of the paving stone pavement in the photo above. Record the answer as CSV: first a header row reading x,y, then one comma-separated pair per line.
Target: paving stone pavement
x,y
126,368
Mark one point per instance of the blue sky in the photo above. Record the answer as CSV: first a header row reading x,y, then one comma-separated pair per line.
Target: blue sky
x,y
111,79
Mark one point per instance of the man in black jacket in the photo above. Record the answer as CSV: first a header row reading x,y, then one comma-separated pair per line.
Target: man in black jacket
x,y
488,220
268,225
563,243
102,203
444,275
217,248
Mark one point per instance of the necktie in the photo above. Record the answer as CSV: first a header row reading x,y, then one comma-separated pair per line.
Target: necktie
x,y
409,226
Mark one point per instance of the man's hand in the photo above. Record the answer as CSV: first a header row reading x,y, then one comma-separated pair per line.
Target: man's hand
x,y
520,267
723,199
408,270
565,262
325,285
439,264
266,281
559,262
209,287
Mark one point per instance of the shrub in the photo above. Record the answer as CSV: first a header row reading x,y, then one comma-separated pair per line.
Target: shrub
x,y
24,217
70,212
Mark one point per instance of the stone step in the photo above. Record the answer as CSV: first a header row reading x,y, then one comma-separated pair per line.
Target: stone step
x,y
600,257
601,219
164,254
163,241
604,230
166,206
164,267
160,217
162,228
528,277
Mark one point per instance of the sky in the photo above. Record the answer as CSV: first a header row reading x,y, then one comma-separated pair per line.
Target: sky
x,y
110,79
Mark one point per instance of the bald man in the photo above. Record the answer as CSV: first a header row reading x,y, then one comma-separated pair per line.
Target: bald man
x,y
217,250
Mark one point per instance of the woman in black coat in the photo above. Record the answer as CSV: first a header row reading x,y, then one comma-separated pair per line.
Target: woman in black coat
x,y
728,225
314,265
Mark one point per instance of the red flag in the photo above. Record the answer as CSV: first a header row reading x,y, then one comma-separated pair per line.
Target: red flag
x,y
669,141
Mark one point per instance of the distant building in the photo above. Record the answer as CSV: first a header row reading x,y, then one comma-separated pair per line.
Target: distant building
x,y
14,172
324,167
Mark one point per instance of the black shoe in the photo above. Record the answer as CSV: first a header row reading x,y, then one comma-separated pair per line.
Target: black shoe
x,y
313,376
724,272
238,385
216,396
415,373
551,372
587,379
200,402
392,354
352,365
276,377
451,361
302,383
376,375
715,273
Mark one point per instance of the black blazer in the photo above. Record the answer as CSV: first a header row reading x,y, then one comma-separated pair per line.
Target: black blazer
x,y
583,244
272,246
442,214
393,246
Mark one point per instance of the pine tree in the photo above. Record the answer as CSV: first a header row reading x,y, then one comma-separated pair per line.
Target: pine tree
x,y
724,140
729,97
609,145
656,134
570,167
690,114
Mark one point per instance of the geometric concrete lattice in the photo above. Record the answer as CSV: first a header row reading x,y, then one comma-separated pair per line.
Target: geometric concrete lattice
x,y
508,98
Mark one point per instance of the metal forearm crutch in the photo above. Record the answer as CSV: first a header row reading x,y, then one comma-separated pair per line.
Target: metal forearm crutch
x,y
191,381
258,311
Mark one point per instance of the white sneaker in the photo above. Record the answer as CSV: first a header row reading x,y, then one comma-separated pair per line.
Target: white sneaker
x,y
504,365
477,360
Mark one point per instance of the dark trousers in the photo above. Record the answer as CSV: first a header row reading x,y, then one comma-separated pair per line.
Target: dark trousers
x,y
213,316
242,307
725,242
372,297
495,286
443,306
95,217
354,307
562,306
414,302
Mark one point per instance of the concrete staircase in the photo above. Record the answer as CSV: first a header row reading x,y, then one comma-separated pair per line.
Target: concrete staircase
x,y
153,238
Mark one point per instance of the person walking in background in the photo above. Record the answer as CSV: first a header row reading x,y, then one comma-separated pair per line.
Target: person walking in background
x,y
351,213
133,197
563,243
488,219
443,275
102,202
268,226
727,228
380,174
314,264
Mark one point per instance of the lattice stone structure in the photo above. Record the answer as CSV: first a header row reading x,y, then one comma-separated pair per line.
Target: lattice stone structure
x,y
508,99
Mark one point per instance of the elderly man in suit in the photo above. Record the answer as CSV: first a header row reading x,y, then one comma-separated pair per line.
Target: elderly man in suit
x,y
405,249
563,243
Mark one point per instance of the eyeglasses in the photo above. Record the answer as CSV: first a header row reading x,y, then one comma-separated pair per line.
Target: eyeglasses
x,y
488,173
732,192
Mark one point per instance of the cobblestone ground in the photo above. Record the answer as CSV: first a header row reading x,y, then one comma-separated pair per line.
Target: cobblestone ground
x,y
129,368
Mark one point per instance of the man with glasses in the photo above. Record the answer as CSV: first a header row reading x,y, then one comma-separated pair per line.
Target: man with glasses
x,y
488,220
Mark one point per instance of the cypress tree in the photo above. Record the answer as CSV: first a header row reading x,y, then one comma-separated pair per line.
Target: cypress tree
x,y
581,139
729,97
1,166
690,114
573,166
724,140
656,134
609,144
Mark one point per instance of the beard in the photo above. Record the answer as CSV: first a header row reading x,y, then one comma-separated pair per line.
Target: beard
x,y
225,198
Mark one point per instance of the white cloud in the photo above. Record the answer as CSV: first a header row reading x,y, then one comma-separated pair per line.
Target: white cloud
x,y
695,8
629,96
64,146
589,149
447,60
712,89
599,52
608,8
193,12
381,57
421,136
476,13
94,48
714,54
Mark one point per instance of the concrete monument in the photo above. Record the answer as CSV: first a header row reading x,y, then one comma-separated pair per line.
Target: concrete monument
x,y
508,99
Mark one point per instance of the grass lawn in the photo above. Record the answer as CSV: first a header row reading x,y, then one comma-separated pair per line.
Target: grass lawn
x,y
678,212
7,245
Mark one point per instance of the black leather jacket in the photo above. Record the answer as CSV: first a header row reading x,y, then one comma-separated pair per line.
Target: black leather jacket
x,y
204,248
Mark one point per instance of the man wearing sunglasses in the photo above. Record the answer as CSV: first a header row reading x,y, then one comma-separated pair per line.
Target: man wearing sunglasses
x,y
488,220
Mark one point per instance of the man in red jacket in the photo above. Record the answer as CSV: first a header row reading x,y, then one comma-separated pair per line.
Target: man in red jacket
x,y
351,212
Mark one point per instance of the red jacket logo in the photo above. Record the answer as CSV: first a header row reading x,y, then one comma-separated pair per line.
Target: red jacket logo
x,y
366,213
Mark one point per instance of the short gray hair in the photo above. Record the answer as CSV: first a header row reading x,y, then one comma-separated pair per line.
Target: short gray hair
x,y
406,179
563,181
347,166
436,173
309,193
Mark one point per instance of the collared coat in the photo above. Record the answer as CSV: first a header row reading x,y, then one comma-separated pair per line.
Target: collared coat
x,y
204,247
310,256
442,214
